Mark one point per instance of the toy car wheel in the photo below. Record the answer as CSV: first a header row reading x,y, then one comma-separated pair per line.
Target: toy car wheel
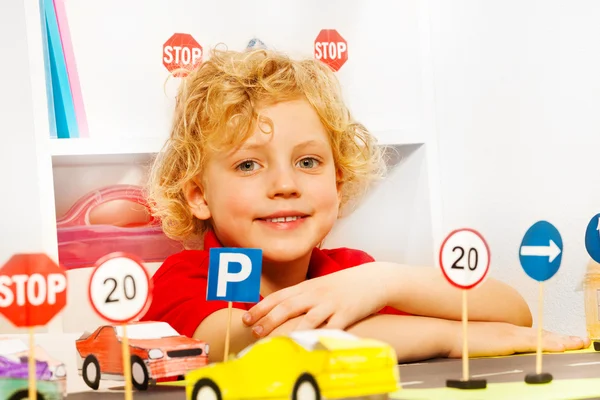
x,y
205,389
91,372
306,388
139,373
24,394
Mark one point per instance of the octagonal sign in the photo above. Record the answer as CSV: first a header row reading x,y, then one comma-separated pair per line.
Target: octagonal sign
x,y
331,48
181,51
33,289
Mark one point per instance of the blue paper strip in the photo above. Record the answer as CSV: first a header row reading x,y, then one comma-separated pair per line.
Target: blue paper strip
x,y
47,72
64,110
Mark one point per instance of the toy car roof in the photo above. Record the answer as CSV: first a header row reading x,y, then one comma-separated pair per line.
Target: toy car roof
x,y
139,330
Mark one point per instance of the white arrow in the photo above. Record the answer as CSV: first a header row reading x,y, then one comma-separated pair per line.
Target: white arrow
x,y
598,228
552,251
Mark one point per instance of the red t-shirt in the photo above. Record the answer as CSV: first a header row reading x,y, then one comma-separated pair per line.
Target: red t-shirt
x,y
179,285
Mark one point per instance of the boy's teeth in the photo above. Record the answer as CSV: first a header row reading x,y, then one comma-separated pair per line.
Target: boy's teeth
x,y
282,219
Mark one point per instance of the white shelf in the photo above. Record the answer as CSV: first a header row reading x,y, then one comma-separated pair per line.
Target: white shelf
x,y
91,146
89,151
400,137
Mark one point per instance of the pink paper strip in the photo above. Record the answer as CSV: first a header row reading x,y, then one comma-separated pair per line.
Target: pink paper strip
x,y
65,37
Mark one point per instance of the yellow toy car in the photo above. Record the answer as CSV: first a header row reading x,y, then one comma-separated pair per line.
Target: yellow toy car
x,y
304,365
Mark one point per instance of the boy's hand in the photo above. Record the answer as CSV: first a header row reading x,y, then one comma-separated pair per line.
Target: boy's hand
x,y
333,301
498,339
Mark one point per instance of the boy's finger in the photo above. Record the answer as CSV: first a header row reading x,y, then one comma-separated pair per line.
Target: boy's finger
x,y
566,342
263,307
337,321
289,308
574,343
553,343
314,318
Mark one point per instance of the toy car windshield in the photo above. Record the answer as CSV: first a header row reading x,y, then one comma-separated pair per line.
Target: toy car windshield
x,y
310,339
156,330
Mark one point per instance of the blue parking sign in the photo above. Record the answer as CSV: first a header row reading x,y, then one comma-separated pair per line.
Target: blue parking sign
x,y
234,274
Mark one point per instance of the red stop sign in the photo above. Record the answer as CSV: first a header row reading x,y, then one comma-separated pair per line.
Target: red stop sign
x,y
181,51
331,48
33,289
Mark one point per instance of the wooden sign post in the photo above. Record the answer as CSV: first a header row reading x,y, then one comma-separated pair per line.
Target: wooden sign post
x,y
465,261
241,283
120,291
540,255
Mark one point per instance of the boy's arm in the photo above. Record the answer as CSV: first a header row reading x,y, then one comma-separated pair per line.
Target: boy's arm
x,y
413,338
424,291
421,338
350,295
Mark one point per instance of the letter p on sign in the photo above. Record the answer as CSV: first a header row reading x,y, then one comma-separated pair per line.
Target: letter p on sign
x,y
234,275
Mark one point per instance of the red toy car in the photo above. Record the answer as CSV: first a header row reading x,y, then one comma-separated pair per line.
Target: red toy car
x,y
157,352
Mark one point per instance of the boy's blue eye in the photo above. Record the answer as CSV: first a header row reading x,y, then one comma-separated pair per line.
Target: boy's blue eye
x,y
247,166
308,162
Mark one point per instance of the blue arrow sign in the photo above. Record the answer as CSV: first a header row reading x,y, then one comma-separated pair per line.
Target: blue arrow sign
x,y
592,238
540,253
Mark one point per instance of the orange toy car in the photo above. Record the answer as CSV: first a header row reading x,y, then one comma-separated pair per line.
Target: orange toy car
x,y
157,351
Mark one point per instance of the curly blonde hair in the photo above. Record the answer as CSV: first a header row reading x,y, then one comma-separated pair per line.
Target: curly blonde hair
x,y
216,109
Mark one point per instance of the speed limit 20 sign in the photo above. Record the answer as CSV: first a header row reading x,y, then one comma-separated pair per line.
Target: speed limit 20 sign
x,y
120,288
465,258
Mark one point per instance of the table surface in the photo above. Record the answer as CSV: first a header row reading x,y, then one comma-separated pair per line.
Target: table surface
x,y
576,376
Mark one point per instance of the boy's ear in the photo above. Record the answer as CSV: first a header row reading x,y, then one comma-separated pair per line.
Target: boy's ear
x,y
339,183
196,201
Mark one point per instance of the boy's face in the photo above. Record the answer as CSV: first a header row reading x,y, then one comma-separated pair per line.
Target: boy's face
x,y
278,191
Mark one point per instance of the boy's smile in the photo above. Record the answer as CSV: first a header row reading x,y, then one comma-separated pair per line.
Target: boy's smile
x,y
277,191
284,219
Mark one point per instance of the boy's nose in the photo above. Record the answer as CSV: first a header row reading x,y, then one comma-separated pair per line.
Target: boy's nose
x,y
283,184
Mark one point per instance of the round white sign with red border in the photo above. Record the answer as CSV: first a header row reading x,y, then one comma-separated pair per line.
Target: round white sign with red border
x,y
120,288
465,258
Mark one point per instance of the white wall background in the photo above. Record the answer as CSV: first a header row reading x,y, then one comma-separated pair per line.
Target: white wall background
x,y
517,97
18,140
26,197
516,92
